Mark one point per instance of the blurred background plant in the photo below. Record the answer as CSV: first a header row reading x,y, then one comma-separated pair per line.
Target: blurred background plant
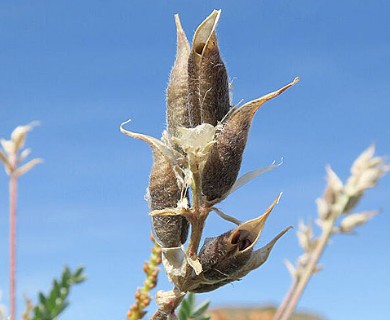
x,y
55,302
335,216
189,309
49,306
12,157
2,307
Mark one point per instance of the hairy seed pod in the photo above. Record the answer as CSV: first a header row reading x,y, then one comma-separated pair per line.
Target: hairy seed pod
x,y
225,256
228,253
256,259
208,87
177,114
164,192
222,167
207,287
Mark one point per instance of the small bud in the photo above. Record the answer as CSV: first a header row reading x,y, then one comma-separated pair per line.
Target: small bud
x,y
305,236
291,269
366,172
9,147
208,100
18,136
323,208
333,188
351,221
224,162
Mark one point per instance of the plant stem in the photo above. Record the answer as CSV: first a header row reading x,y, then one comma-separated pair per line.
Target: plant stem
x,y
299,286
290,302
286,300
12,240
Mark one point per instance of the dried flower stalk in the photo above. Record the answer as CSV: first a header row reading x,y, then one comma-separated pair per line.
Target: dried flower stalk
x,y
12,155
335,216
196,165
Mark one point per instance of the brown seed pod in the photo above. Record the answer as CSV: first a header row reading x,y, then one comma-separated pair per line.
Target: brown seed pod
x,y
164,192
177,114
228,257
228,253
208,87
222,167
207,287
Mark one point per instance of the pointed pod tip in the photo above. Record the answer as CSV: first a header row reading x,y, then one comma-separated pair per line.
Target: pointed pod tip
x,y
278,198
215,14
205,31
256,226
178,23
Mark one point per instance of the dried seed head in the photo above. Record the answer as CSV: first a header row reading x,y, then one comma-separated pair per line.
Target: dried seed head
x,y
334,187
14,154
222,167
230,256
366,171
177,114
305,236
259,256
164,192
208,99
228,253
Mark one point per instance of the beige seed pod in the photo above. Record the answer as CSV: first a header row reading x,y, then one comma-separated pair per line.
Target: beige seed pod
x,y
208,86
164,192
222,167
177,114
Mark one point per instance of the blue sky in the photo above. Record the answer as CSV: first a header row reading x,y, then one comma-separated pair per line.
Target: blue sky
x,y
81,68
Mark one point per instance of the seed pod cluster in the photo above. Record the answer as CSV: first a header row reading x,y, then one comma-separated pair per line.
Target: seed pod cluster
x,y
196,164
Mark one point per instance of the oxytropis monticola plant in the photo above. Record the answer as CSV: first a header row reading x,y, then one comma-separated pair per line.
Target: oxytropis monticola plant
x,y
196,164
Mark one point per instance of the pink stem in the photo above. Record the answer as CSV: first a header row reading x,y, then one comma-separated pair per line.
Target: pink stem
x,y
12,210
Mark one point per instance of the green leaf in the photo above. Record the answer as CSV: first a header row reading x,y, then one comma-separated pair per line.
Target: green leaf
x,y
186,307
56,301
42,298
200,309
182,315
191,300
